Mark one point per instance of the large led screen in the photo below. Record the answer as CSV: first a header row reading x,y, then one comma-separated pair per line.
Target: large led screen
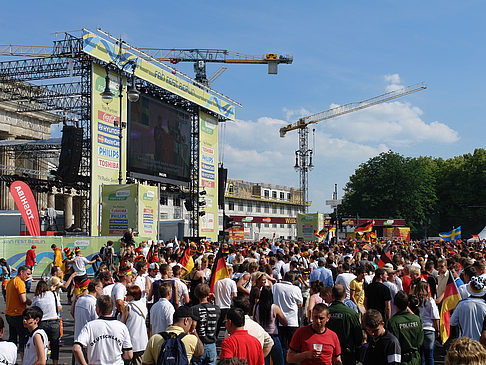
x,y
159,141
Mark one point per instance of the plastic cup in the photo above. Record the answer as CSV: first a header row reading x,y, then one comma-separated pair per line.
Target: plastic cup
x,y
317,347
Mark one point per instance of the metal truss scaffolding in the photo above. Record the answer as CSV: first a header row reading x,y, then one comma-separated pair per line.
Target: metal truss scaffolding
x,y
60,84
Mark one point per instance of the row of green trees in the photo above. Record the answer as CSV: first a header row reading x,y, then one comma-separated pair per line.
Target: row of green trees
x,y
431,194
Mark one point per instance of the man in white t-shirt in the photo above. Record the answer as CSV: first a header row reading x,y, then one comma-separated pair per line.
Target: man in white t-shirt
x,y
119,291
289,298
162,312
8,350
345,278
85,306
224,292
107,340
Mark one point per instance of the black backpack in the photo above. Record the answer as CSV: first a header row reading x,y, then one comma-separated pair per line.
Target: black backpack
x,y
173,351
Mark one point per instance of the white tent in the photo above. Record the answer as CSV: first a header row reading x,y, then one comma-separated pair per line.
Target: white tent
x,y
482,234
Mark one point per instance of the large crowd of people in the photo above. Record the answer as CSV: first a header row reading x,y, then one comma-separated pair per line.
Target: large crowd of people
x,y
274,302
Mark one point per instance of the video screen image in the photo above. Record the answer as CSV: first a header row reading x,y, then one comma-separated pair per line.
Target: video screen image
x,y
159,141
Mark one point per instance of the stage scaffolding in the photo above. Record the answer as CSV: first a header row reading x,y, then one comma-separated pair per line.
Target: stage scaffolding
x,y
62,84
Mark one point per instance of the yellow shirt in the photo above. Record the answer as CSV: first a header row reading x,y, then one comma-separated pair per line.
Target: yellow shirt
x,y
357,286
154,345
15,287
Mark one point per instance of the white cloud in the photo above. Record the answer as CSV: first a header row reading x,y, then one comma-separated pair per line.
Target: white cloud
x,y
253,150
395,123
294,114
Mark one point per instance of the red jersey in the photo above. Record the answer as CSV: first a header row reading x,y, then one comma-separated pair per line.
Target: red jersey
x,y
305,338
30,257
243,346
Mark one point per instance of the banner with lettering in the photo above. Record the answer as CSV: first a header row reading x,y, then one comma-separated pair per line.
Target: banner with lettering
x,y
27,206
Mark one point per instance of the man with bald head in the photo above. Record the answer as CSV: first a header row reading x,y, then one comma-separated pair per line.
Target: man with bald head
x,y
345,322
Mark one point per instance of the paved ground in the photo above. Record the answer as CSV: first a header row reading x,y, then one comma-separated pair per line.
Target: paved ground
x,y
65,356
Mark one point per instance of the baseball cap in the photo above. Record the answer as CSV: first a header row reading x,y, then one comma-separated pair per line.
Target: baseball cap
x,y
34,246
389,268
153,266
185,312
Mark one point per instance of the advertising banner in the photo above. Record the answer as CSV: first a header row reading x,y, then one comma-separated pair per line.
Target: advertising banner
x,y
148,200
307,224
236,233
105,50
105,141
27,206
119,209
208,175
13,249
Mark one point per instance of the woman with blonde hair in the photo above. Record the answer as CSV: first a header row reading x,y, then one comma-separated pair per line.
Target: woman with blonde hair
x,y
430,315
465,351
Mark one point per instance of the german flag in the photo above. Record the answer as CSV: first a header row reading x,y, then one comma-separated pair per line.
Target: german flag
x,y
451,298
385,258
219,270
187,261
365,227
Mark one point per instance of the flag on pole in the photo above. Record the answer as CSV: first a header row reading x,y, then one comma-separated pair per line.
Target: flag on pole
x,y
451,235
219,270
331,232
364,227
451,298
187,261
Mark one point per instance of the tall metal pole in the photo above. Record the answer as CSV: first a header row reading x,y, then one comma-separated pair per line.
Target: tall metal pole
x,y
120,131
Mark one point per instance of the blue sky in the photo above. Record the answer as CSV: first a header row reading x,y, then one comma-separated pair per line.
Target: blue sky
x,y
343,51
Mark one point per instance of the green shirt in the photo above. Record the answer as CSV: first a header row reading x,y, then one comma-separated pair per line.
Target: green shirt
x,y
345,323
408,328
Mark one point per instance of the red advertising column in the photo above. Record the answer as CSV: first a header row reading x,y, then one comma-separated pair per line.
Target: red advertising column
x,y
27,206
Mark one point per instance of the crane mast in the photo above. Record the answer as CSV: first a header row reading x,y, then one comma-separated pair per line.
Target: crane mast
x,y
303,156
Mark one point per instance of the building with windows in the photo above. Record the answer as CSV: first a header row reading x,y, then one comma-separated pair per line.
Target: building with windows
x,y
262,210
258,209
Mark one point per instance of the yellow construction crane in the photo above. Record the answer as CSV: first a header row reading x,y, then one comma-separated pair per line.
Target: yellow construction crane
x,y
197,55
303,156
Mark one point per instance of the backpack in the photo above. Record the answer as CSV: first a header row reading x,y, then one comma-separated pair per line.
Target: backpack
x,y
173,351
102,253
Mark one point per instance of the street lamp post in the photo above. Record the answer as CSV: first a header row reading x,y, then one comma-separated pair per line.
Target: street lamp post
x,y
132,94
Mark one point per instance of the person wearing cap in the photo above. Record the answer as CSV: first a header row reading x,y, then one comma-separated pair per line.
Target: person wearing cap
x,y
184,321
408,329
391,285
322,273
107,341
469,314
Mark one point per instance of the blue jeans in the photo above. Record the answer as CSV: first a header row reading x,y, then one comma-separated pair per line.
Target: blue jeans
x,y
276,355
209,357
427,350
